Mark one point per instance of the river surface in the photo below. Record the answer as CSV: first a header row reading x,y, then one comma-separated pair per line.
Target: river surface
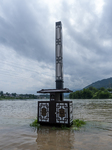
x,y
16,133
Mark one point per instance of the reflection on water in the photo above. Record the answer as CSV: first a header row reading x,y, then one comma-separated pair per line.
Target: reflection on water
x,y
16,134
55,139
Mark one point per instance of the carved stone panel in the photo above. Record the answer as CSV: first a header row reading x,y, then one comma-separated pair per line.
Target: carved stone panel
x,y
43,115
62,113
43,111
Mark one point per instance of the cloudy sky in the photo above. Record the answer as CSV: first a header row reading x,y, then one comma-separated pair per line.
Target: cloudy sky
x,y
27,43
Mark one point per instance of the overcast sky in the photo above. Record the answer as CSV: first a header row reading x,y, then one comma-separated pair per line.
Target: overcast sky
x,y
27,43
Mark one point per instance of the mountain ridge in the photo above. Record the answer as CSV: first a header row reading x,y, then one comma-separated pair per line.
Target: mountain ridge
x,y
106,83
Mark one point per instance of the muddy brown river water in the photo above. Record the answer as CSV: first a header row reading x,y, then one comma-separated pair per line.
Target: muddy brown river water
x,y
16,133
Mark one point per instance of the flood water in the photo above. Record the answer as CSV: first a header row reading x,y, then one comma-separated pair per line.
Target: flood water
x,y
16,133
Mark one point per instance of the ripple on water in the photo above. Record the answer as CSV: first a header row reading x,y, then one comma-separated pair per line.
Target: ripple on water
x,y
16,134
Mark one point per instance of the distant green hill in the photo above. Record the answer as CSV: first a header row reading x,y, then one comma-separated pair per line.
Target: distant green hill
x,y
106,83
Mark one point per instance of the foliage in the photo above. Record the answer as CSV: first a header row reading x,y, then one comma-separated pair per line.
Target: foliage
x,y
64,127
109,89
78,123
92,93
54,128
86,94
35,123
1,93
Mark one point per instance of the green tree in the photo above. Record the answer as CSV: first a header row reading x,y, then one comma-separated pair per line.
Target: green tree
x,y
109,89
102,89
1,93
104,95
86,94
70,95
13,94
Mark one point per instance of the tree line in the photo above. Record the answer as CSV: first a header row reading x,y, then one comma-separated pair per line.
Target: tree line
x,y
16,96
92,93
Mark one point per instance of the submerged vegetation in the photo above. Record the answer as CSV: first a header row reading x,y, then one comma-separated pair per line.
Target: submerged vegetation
x,y
76,125
35,123
92,93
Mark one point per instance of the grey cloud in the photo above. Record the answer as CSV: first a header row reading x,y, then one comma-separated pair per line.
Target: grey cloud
x,y
24,27
87,41
106,21
27,27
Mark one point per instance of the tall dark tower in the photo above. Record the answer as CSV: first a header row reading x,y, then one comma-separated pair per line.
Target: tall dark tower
x,y
59,56
56,111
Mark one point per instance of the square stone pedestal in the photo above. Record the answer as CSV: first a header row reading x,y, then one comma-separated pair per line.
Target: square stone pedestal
x,y
55,112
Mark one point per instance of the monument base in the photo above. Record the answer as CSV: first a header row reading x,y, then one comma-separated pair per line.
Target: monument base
x,y
55,113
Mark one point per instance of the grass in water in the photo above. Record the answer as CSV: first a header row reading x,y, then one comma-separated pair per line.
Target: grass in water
x,y
78,123
64,127
35,123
